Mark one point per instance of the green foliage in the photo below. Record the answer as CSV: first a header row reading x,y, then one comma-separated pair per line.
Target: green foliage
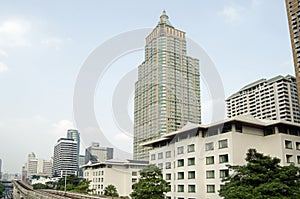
x,y
2,188
151,185
262,177
40,186
111,190
73,184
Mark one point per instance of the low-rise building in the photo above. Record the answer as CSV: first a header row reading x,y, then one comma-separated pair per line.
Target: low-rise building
x,y
194,158
121,174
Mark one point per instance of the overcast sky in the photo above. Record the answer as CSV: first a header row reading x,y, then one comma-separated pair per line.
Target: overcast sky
x,y
43,46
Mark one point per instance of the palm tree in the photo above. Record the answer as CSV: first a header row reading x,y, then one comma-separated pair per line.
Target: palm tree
x,y
111,190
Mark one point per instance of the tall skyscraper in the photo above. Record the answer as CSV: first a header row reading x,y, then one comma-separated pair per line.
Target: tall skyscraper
x,y
95,153
274,99
73,134
65,160
167,93
293,13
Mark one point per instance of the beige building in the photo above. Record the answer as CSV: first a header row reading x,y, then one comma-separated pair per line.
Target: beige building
x,y
293,9
275,99
194,158
167,93
121,174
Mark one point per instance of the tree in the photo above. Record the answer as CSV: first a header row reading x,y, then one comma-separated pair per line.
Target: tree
x,y
151,185
74,184
111,190
2,188
40,186
262,177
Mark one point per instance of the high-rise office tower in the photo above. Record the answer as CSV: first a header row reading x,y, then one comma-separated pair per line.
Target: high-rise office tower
x,y
293,13
65,160
274,99
167,93
95,153
73,134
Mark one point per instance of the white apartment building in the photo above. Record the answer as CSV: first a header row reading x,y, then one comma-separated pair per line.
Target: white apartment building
x,y
275,99
194,158
121,174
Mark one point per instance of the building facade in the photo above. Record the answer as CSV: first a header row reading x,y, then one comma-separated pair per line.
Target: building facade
x,y
0,169
194,158
65,158
167,93
293,13
275,99
121,174
95,153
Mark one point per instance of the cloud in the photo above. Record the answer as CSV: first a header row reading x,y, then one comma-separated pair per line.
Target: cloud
x,y
14,33
232,13
3,67
60,128
3,53
55,42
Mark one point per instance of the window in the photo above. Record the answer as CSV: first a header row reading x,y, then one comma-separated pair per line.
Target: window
x,y
168,165
191,161
289,158
224,173
210,188
298,159
160,155
153,157
298,145
180,163
168,154
160,165
168,176
191,148
180,175
210,174
180,150
191,188
134,173
133,180
210,160
223,144
238,128
288,144
191,175
180,188
209,146
223,158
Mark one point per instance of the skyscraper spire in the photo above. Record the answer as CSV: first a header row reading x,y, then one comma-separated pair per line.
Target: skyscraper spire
x,y
164,19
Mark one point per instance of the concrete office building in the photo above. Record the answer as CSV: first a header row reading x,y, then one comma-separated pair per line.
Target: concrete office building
x,y
95,153
274,99
293,13
167,93
194,158
65,159
32,165
121,174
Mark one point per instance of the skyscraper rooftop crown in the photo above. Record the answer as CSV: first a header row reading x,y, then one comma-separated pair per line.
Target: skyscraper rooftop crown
x,y
164,19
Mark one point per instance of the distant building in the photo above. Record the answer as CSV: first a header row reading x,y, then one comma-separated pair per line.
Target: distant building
x,y
95,153
293,9
121,174
65,158
194,158
274,99
36,167
32,165
81,163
